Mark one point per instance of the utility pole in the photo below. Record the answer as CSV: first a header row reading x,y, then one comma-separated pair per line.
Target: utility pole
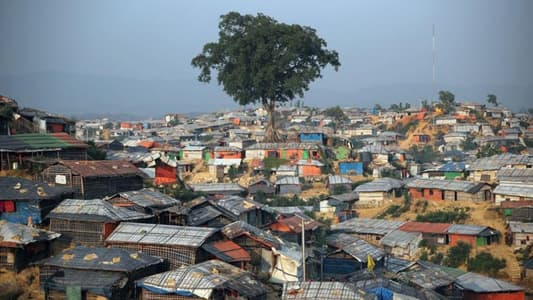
x,y
303,248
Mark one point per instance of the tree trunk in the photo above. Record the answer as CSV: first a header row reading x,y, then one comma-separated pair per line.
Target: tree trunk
x,y
271,132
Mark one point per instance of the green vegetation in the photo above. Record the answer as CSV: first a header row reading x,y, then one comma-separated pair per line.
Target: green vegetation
x,y
485,263
423,154
403,129
468,144
271,163
457,255
399,107
95,152
260,60
336,113
487,150
446,101
397,210
491,99
456,215
233,172
437,258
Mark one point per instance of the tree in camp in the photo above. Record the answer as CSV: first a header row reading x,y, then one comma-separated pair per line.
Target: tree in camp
x,y
259,60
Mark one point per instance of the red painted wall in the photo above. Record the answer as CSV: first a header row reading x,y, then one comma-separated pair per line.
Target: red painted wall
x,y
311,171
494,296
165,174
425,194
455,238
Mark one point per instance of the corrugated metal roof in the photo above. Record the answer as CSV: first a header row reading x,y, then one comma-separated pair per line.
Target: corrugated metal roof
x,y
240,228
101,259
379,185
482,284
227,251
520,227
337,179
515,175
157,234
367,226
429,278
323,290
276,146
201,279
17,188
101,168
466,229
32,141
453,167
288,180
425,227
227,162
22,235
309,162
514,190
498,161
396,265
201,215
148,197
356,247
398,238
295,223
69,140
448,185
216,187
96,210
237,205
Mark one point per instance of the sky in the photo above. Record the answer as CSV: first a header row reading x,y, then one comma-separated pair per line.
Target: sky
x,y
133,57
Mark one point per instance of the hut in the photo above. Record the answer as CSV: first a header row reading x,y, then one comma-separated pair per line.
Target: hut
x,y
21,244
177,245
453,190
26,201
209,280
521,211
351,168
519,234
309,167
434,233
290,228
375,193
286,171
475,286
96,178
338,184
324,290
288,186
283,150
261,186
371,230
95,273
513,192
473,235
90,222
401,244
229,252
218,189
194,152
246,210
348,254
147,200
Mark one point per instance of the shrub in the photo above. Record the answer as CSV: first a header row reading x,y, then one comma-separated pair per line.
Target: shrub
x,y
485,263
437,258
457,255
457,215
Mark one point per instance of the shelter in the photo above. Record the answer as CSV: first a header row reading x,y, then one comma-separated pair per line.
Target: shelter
x,y
90,222
513,192
21,244
26,201
401,244
375,193
288,186
371,230
348,254
229,252
485,169
336,183
210,280
283,150
96,178
351,168
453,190
290,228
21,151
262,185
324,290
309,167
177,245
433,233
476,286
218,189
246,210
519,234
472,234
95,273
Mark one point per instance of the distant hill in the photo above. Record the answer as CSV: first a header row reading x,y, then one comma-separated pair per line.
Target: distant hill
x,y
84,95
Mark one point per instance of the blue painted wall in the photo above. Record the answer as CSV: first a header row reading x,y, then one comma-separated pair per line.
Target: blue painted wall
x,y
351,167
311,137
340,266
23,210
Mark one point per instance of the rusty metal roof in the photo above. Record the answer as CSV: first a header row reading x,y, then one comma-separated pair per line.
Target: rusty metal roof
x,y
227,251
425,227
101,168
295,223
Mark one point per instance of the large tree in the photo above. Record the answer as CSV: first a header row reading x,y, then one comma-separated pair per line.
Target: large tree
x,y
446,101
491,99
260,60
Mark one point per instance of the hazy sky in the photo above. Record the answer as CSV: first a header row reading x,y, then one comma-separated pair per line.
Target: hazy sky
x,y
383,45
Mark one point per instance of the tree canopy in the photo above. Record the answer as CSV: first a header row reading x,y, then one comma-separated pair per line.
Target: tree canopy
x,y
446,101
491,99
260,60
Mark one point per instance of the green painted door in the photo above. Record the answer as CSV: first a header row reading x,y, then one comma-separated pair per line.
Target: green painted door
x,y
306,154
284,153
481,241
